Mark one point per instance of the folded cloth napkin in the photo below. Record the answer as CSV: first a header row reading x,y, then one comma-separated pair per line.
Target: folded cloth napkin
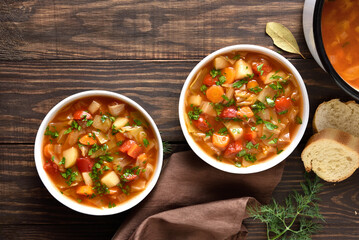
x,y
193,200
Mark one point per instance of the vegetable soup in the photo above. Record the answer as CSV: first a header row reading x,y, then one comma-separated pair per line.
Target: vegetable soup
x,y
243,108
340,33
99,151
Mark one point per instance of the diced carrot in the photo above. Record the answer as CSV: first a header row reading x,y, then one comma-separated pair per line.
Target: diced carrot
x,y
220,141
252,84
215,93
87,140
84,190
120,137
142,157
134,151
250,135
126,146
113,190
228,72
245,112
49,150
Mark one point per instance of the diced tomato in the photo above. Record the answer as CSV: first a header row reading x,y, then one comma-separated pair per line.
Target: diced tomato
x,y
131,148
126,146
250,135
261,70
81,114
201,124
84,164
209,81
134,151
233,148
282,104
229,112
51,167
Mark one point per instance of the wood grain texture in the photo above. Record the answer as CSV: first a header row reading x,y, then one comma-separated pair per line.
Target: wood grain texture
x,y
36,207
161,29
28,90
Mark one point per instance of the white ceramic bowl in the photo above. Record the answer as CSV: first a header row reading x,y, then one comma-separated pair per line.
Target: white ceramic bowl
x,y
265,164
71,203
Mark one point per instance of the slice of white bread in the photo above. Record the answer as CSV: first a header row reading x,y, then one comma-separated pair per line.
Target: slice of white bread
x,y
338,115
332,154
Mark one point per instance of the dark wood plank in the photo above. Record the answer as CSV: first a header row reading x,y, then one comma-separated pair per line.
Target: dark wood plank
x,y
28,90
160,29
25,201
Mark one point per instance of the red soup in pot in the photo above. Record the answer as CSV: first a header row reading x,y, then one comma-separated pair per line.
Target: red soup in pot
x,y
99,151
243,108
340,33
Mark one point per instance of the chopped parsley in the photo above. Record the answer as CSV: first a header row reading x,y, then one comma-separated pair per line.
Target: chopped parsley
x,y
145,142
273,141
93,149
107,116
106,158
258,106
218,107
194,114
62,161
137,122
270,102
283,112
223,131
259,120
270,126
239,83
279,151
248,157
236,57
238,164
259,68
89,123
250,145
204,89
221,80
214,73
70,176
298,120
210,132
256,89
275,76
111,205
53,134
225,97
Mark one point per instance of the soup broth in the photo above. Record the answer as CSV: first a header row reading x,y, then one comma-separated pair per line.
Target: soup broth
x,y
340,33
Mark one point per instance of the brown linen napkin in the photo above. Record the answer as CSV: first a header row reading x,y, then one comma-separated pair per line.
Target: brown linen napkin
x,y
193,200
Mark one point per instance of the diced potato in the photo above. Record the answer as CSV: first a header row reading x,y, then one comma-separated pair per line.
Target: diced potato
x,y
101,137
242,69
274,76
119,123
195,100
94,106
220,62
116,109
87,178
70,156
110,179
103,126
139,185
235,129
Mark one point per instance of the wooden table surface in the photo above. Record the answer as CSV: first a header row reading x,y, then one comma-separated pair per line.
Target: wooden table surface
x,y
144,50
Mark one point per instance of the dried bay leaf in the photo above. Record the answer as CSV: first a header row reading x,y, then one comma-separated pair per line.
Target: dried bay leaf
x,y
283,38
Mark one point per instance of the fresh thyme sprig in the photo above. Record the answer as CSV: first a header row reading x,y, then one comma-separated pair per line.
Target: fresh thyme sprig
x,y
293,219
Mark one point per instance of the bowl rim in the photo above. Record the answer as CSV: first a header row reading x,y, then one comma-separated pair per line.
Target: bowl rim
x,y
318,39
266,164
71,203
